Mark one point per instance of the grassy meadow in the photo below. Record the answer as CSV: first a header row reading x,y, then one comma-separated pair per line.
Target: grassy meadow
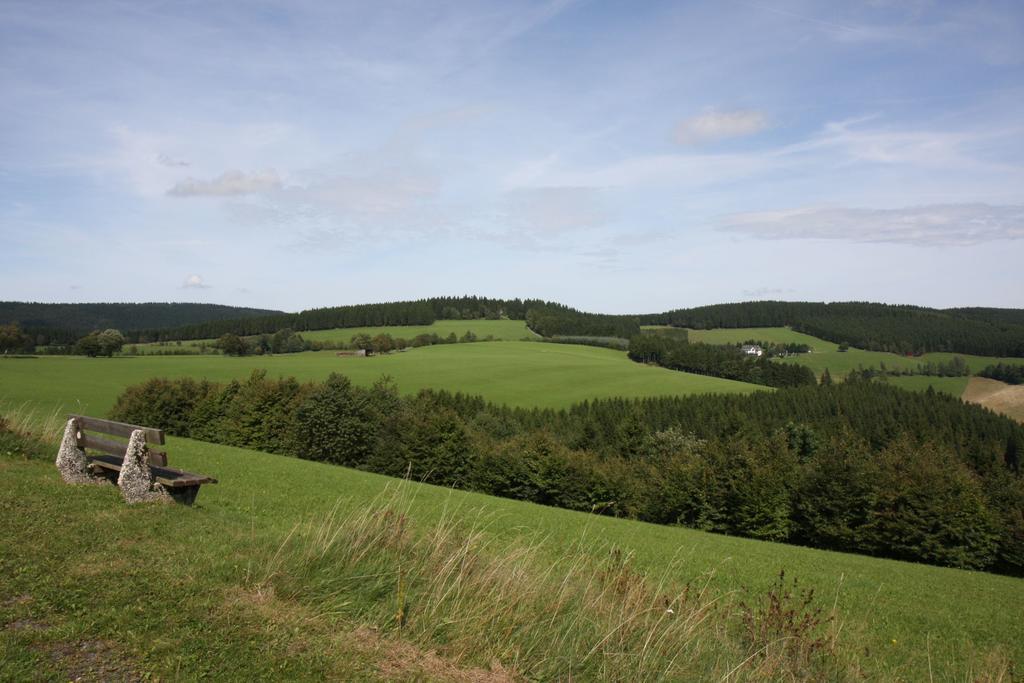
x,y
826,354
249,581
501,330
514,373
778,335
214,590
954,386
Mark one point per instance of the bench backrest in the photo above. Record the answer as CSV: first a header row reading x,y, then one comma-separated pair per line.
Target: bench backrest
x,y
86,424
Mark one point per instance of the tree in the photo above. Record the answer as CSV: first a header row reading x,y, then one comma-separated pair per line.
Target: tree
x,y
103,343
13,339
382,343
232,345
335,424
826,378
88,345
844,346
286,341
110,341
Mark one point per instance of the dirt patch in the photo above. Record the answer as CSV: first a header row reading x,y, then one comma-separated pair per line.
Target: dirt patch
x,y
400,660
1006,399
90,660
27,625
395,660
17,600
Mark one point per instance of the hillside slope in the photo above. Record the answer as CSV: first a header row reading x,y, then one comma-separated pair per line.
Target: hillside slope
x,y
174,592
127,317
523,374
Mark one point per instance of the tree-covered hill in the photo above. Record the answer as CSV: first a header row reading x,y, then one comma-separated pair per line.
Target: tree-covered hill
x,y
545,318
871,326
62,323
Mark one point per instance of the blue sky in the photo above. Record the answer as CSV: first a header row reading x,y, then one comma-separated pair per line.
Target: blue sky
x,y
615,156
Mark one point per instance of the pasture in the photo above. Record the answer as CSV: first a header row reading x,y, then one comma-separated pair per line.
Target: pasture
x,y
190,598
514,373
826,354
954,386
501,330
777,335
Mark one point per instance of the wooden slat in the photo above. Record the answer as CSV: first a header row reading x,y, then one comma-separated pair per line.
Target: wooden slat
x,y
117,428
110,447
168,476
106,464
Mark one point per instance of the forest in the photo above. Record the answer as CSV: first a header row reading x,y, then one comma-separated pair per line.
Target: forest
x,y
1004,372
906,330
858,467
716,360
66,323
871,326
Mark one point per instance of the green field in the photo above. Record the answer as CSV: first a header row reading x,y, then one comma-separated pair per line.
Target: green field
x,y
514,373
778,335
840,364
825,354
174,589
502,330
954,386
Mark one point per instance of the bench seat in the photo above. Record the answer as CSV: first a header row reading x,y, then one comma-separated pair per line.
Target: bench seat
x,y
168,476
181,485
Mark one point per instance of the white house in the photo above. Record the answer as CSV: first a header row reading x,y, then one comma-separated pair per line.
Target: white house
x,y
752,350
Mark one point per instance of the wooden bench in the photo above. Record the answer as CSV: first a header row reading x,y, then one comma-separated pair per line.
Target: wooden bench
x,y
183,486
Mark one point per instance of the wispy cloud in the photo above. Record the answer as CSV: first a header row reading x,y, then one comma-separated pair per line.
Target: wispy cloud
x,y
171,162
762,292
228,184
194,281
935,225
715,125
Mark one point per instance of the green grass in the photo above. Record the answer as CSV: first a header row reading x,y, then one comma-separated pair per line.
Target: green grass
x,y
778,335
178,592
954,386
825,354
514,373
501,330
839,364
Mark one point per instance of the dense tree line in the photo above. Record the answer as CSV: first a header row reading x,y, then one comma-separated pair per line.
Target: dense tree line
x,y
871,326
545,318
66,323
420,312
859,467
1004,372
716,360
553,320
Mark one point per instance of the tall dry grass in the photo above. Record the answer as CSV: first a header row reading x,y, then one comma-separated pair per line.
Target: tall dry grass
x,y
584,613
32,422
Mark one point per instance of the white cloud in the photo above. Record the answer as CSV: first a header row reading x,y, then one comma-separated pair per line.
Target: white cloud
x,y
229,183
715,125
194,281
170,161
763,292
934,225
